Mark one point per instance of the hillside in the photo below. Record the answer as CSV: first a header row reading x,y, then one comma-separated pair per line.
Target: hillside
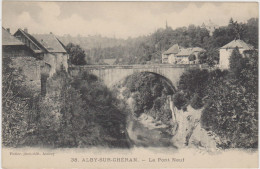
x,y
89,42
148,49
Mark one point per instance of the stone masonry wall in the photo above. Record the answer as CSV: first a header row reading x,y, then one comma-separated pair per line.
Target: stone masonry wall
x,y
31,69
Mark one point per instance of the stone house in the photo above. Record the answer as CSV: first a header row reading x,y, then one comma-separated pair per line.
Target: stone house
x,y
180,55
12,47
183,56
226,51
46,47
170,55
23,59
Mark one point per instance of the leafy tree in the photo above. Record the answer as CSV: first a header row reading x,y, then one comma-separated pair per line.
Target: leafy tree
x,y
192,57
202,57
193,81
148,91
228,113
180,101
102,110
236,62
251,34
77,55
209,57
212,57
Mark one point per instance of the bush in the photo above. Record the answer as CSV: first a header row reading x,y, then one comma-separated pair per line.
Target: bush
x,y
230,101
148,89
103,109
231,109
228,115
179,100
193,81
18,106
196,102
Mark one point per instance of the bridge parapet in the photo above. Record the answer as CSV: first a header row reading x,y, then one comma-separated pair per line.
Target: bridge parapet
x,y
111,74
134,66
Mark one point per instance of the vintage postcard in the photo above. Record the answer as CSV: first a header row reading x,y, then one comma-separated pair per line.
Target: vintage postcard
x,y
129,84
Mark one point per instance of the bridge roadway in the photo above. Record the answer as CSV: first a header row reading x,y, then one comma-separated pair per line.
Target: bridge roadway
x,y
112,74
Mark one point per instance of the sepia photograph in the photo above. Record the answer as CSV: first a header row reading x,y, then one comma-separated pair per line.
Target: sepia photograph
x,y
88,84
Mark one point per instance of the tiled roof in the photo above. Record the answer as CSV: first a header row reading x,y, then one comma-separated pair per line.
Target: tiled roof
x,y
189,51
40,49
185,52
237,43
172,50
50,42
109,61
8,39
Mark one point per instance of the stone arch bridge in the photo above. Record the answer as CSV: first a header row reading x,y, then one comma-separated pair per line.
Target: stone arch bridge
x,y
111,74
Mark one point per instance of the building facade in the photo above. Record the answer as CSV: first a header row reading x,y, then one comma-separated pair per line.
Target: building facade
x,y
179,55
226,51
169,56
46,47
22,59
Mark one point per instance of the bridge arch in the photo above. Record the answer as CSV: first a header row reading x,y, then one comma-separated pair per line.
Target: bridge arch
x,y
169,82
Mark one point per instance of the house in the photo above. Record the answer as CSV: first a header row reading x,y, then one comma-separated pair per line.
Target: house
x,y
169,56
183,56
12,47
179,55
226,51
46,47
23,59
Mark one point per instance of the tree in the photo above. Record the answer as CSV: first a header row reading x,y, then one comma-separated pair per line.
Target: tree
x,y
202,57
192,84
251,32
192,57
236,62
77,55
229,114
101,110
210,57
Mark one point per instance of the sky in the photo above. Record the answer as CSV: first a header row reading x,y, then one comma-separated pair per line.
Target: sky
x,y
118,19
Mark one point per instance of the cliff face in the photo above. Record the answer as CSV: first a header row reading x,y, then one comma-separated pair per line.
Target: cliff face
x,y
189,132
161,124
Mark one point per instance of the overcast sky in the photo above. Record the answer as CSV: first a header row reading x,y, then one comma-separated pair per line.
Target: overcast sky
x,y
119,19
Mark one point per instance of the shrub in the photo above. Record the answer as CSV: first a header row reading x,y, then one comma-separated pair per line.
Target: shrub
x,y
179,100
228,115
196,102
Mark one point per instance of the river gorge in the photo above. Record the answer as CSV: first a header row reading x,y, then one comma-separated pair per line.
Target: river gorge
x,y
154,120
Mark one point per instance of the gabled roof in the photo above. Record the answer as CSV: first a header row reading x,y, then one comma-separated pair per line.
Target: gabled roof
x,y
40,49
45,42
172,50
50,43
189,51
237,43
8,39
198,49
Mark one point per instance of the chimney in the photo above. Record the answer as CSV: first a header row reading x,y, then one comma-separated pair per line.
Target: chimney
x,y
25,30
8,30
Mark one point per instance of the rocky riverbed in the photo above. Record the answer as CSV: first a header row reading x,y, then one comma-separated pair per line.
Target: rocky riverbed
x,y
154,121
